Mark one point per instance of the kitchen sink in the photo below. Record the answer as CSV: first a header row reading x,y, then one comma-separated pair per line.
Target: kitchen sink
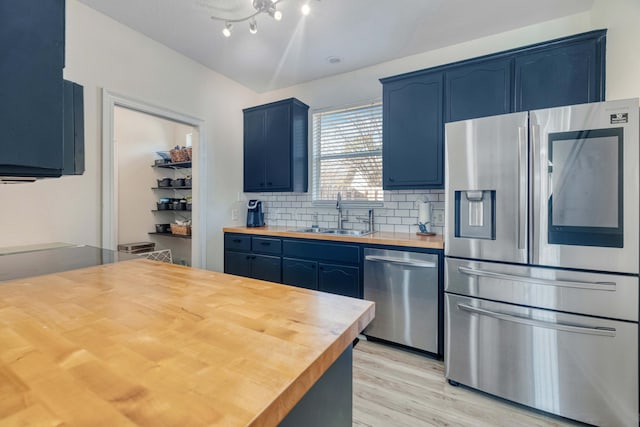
x,y
337,231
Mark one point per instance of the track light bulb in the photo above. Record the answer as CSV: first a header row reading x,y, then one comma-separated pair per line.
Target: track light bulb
x,y
305,9
253,26
226,31
277,15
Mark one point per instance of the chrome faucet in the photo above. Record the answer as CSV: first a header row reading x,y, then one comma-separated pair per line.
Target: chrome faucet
x,y
339,208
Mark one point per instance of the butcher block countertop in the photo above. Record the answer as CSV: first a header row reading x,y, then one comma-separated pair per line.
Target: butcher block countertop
x,y
377,238
146,343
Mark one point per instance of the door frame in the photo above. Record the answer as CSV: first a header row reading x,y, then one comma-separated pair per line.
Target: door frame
x,y
110,100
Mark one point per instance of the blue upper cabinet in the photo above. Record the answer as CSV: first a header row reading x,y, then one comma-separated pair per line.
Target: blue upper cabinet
x,y
478,90
275,147
412,149
416,105
564,73
31,87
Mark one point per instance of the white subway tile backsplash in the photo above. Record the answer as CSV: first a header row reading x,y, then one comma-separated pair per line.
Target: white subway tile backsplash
x,y
399,212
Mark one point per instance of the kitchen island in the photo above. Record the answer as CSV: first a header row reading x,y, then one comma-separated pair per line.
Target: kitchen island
x,y
147,343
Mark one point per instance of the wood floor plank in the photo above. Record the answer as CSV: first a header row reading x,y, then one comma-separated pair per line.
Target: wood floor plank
x,y
397,388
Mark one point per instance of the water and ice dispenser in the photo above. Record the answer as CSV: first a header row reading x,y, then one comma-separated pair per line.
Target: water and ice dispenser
x,y
475,214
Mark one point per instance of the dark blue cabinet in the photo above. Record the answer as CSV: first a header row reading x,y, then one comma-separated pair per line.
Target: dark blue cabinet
x,y
300,272
262,267
255,257
73,129
416,105
329,267
237,263
339,279
478,90
31,87
275,147
569,73
266,267
412,153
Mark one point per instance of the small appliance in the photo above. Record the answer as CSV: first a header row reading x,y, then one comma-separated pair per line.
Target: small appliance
x,y
255,215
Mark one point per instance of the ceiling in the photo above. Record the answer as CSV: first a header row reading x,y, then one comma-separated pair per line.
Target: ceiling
x,y
296,49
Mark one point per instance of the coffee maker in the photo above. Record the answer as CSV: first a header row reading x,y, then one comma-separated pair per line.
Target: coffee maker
x,y
255,215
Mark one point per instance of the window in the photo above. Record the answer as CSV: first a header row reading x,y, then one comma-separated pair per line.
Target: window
x,y
347,154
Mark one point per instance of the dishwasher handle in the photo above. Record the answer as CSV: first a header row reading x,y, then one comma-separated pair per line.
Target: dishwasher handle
x,y
400,261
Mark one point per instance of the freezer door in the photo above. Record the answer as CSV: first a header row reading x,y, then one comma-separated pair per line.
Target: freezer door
x,y
594,294
487,188
578,367
584,161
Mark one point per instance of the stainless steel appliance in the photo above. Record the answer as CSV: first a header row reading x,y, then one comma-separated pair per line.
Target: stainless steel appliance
x,y
255,214
542,259
404,286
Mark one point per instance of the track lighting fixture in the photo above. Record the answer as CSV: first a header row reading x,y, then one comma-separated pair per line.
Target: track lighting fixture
x,y
261,6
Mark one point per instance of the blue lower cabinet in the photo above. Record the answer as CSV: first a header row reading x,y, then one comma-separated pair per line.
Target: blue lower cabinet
x,y
339,279
237,263
301,273
262,267
266,267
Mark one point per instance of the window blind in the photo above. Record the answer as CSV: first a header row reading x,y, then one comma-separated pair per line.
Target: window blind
x,y
347,154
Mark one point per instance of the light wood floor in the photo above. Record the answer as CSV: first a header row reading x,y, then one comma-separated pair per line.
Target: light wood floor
x,y
396,388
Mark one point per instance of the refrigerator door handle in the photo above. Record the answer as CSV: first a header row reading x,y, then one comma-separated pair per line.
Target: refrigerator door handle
x,y
522,187
595,286
602,331
534,195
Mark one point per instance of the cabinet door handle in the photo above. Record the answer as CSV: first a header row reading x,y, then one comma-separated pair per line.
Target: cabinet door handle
x,y
269,183
237,240
262,184
265,243
391,179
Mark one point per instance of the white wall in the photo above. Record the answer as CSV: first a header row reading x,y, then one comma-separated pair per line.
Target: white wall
x,y
101,53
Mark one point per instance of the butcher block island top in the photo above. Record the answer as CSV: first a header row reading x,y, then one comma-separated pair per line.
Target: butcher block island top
x,y
147,343
377,238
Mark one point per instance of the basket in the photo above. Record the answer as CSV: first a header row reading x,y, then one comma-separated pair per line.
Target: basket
x,y
189,153
164,182
182,230
179,156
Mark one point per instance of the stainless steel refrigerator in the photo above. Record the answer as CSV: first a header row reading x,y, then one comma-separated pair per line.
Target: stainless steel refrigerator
x,y
542,259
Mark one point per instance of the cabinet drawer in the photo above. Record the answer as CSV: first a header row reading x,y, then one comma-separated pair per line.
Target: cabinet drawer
x,y
237,242
266,245
348,254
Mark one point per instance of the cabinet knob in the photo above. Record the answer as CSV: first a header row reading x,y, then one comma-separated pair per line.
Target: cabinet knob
x,y
262,184
269,183
390,179
237,240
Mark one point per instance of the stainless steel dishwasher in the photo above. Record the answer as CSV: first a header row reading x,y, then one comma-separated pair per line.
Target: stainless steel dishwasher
x,y
404,286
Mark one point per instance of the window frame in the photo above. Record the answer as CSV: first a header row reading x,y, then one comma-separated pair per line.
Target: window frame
x,y
315,170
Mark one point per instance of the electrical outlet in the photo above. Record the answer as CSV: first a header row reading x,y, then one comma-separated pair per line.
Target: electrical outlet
x,y
438,217
234,214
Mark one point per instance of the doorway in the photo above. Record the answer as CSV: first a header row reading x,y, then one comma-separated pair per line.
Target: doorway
x,y
142,194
